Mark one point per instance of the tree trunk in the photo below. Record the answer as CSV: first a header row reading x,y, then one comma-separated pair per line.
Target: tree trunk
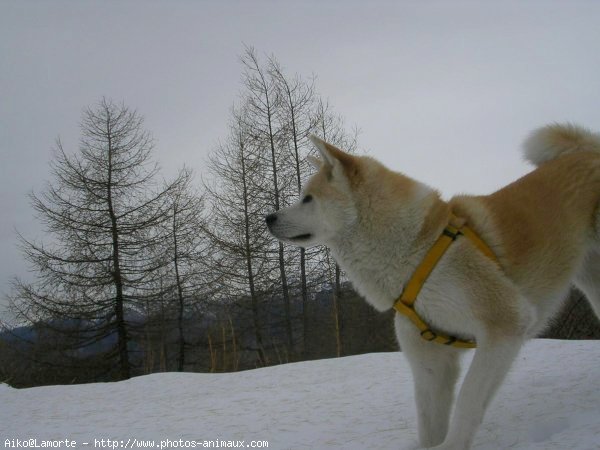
x,y
122,336
302,250
284,283
181,354
337,293
253,296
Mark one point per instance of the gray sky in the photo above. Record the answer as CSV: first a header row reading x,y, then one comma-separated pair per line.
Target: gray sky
x,y
442,91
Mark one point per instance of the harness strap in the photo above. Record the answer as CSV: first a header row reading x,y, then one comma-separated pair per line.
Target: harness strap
x,y
405,303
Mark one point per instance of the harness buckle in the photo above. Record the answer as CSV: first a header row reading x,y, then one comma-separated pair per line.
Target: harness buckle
x,y
428,335
451,233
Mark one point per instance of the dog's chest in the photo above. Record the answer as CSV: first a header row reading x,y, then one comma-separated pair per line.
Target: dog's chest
x,y
379,283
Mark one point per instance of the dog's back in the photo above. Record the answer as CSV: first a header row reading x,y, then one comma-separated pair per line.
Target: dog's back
x,y
544,225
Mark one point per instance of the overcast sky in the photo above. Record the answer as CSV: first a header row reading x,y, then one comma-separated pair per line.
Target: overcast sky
x,y
442,91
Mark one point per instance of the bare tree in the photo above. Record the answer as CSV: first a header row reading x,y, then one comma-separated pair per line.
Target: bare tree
x,y
261,104
278,114
236,223
186,251
101,214
296,113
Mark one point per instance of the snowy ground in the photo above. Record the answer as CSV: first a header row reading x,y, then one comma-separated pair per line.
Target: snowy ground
x,y
550,400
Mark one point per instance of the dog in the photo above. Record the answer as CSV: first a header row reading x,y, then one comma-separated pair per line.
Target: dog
x,y
544,232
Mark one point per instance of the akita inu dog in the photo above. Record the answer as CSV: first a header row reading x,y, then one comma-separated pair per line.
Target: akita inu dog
x,y
498,284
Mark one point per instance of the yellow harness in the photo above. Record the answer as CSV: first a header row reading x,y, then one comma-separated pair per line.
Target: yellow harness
x,y
405,303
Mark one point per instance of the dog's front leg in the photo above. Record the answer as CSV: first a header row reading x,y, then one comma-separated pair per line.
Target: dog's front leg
x,y
435,371
490,365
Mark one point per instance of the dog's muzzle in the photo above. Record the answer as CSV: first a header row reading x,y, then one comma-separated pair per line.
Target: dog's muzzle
x,y
271,219
280,234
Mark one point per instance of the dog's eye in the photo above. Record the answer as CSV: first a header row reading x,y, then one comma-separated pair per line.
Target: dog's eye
x,y
307,199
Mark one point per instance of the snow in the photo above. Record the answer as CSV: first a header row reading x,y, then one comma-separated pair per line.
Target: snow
x,y
550,400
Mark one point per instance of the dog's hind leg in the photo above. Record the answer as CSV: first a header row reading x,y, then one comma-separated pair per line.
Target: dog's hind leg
x,y
491,362
435,372
588,279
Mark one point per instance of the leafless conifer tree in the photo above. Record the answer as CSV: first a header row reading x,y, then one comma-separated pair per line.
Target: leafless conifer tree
x,y
262,103
101,213
187,251
296,114
236,224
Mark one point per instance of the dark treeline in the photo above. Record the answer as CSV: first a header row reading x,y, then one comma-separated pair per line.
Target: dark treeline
x,y
138,274
221,340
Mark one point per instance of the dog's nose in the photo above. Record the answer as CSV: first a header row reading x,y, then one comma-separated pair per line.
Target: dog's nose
x,y
271,218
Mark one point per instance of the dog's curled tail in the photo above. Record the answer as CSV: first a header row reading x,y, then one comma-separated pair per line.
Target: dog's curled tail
x,y
552,141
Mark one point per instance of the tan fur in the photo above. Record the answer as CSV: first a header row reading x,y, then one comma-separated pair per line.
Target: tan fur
x,y
543,228
541,222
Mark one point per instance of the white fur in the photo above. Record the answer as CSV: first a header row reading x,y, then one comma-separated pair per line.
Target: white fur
x,y
379,225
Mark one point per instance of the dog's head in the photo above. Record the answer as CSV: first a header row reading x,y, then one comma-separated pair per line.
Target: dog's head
x,y
327,205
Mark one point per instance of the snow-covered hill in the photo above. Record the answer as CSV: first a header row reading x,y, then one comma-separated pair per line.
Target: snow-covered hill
x,y
550,400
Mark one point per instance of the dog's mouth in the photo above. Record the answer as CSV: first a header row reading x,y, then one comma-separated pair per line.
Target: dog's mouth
x,y
301,237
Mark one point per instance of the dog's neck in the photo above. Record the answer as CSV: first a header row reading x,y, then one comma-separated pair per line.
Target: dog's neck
x,y
379,256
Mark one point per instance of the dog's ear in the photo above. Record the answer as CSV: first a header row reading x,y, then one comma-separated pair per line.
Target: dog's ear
x,y
314,161
327,151
333,157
